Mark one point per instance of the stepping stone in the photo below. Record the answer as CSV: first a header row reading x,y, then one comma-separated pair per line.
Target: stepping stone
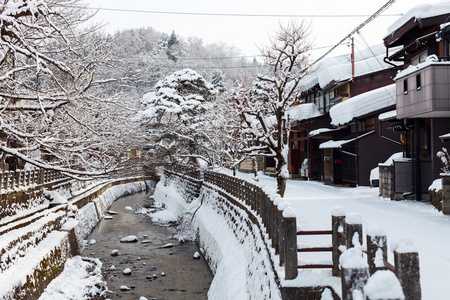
x,y
129,239
127,271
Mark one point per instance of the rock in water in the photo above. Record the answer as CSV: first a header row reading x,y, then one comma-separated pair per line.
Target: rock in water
x,y
127,271
115,252
169,245
196,255
124,288
129,239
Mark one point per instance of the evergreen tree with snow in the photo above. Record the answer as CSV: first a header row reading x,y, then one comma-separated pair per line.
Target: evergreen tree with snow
x,y
175,116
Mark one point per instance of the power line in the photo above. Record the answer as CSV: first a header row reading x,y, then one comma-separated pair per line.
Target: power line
x,y
229,14
375,15
212,58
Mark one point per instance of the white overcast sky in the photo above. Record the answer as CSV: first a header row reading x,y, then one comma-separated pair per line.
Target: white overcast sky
x,y
247,32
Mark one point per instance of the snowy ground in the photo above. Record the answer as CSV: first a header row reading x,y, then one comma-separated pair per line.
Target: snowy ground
x,y
428,228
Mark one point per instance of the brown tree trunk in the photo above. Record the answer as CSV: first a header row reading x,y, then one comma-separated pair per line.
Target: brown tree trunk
x,y
281,185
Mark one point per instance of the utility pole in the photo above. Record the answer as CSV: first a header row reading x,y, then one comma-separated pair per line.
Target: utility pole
x,y
372,17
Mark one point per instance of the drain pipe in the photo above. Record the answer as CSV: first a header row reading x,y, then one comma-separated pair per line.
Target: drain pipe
x,y
385,59
417,160
406,194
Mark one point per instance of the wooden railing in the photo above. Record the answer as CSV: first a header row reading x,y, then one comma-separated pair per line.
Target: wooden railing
x,y
27,178
281,229
349,234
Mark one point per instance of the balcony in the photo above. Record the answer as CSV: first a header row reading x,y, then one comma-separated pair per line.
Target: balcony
x,y
423,91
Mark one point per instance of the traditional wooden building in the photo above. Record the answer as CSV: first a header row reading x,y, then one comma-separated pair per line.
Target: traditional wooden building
x,y
340,146
422,93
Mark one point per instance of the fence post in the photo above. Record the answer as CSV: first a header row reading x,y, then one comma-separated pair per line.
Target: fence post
x,y
6,179
41,176
277,225
282,231
290,243
376,242
355,273
353,224
338,226
407,270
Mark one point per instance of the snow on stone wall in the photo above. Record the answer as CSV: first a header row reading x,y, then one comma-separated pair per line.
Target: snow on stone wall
x,y
89,215
232,244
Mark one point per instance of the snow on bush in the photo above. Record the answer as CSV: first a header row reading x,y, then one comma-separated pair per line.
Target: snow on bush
x,y
445,159
436,185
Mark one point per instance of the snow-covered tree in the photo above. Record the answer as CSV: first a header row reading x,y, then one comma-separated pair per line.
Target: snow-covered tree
x,y
264,108
217,80
52,113
175,116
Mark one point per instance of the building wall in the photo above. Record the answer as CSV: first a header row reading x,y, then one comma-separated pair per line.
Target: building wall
x,y
373,150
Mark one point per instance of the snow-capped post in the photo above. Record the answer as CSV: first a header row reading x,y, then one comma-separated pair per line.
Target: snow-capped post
x,y
354,273
282,206
290,243
279,231
353,225
407,269
383,285
376,242
338,226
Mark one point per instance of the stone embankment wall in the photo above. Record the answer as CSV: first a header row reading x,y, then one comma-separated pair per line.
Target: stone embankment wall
x,y
38,232
230,234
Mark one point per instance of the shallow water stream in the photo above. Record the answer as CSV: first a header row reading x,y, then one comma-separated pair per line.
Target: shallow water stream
x,y
156,272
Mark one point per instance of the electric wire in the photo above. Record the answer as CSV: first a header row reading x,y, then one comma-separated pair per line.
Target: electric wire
x,y
229,14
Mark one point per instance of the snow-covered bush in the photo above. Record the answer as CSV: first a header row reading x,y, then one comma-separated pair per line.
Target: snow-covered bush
x,y
445,159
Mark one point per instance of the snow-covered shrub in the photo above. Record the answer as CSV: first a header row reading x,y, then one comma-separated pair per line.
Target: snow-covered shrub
x,y
445,159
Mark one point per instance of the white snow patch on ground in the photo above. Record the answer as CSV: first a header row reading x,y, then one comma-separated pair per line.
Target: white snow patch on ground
x,y
80,280
428,228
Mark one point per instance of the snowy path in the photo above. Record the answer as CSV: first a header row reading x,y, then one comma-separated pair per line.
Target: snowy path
x,y
428,229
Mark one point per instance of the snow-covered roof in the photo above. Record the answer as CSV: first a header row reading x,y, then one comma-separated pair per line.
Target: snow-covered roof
x,y
431,59
337,144
445,136
388,115
362,104
321,130
339,68
420,12
303,112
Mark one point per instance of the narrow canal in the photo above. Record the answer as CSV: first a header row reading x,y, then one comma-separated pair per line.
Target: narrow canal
x,y
158,270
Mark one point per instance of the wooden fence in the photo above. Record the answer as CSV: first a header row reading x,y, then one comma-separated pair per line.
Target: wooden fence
x,y
27,178
281,228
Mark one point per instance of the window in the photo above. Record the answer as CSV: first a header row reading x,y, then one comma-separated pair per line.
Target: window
x,y
418,82
405,86
370,124
420,58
